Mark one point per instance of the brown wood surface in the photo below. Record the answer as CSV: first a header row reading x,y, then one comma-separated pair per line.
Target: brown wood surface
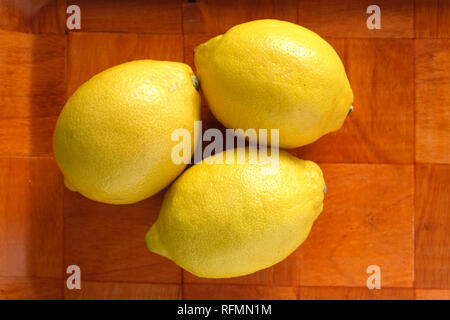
x,y
156,16
30,288
348,293
387,170
432,18
432,226
124,291
432,294
236,292
31,224
433,101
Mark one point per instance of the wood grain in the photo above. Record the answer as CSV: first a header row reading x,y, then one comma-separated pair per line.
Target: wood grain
x,y
34,64
15,15
367,220
427,294
432,101
347,18
107,241
123,291
139,16
33,16
330,293
48,16
90,53
238,292
31,225
432,227
27,136
216,17
381,128
432,18
33,93
30,289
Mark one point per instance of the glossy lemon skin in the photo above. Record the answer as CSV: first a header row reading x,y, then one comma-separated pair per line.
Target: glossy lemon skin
x,y
229,220
271,74
113,138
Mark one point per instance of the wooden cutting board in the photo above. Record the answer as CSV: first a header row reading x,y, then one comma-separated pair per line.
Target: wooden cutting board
x,y
387,170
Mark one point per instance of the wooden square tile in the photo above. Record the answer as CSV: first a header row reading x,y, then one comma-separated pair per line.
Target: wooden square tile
x,y
124,291
15,15
91,53
368,219
12,288
330,293
381,128
433,101
35,64
138,16
31,224
238,292
37,16
48,16
432,226
432,18
34,92
108,241
348,18
216,17
432,294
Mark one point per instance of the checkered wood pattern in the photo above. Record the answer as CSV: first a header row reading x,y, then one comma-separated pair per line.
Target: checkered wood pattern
x,y
387,170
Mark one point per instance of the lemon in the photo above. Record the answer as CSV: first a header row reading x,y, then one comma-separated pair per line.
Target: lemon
x,y
113,138
228,220
270,74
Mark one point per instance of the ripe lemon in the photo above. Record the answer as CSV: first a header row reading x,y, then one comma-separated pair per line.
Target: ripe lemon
x,y
270,74
113,138
228,220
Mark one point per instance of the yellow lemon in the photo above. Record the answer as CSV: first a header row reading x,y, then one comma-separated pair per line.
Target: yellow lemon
x,y
228,220
270,74
113,138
